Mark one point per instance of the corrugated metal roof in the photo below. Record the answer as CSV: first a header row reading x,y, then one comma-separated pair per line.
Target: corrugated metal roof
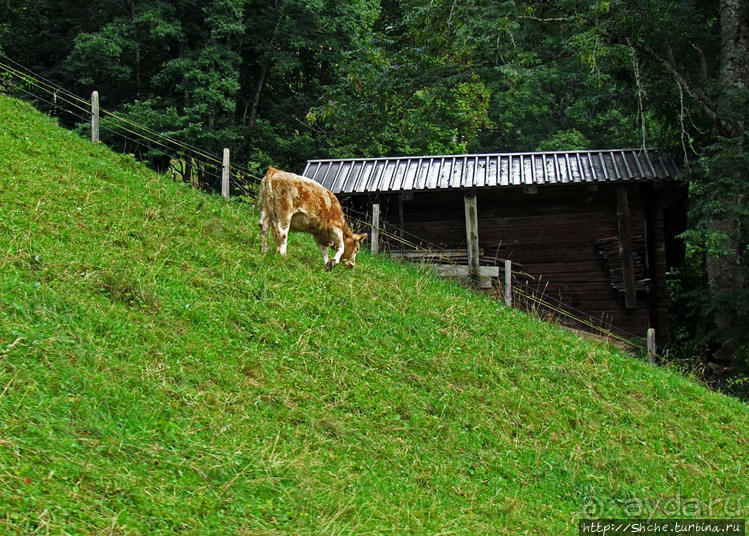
x,y
368,175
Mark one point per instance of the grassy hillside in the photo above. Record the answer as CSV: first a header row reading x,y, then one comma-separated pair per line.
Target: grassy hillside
x,y
159,376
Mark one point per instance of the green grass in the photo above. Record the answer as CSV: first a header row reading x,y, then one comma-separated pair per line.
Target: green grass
x,y
159,376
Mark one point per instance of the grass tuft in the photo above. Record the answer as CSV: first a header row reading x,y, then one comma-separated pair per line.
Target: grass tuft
x,y
122,286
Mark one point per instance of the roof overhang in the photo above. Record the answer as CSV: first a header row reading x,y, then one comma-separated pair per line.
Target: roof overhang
x,y
426,173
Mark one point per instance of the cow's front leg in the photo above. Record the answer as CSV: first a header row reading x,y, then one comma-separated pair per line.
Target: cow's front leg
x,y
338,245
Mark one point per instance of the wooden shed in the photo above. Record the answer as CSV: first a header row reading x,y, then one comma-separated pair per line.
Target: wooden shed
x,y
594,229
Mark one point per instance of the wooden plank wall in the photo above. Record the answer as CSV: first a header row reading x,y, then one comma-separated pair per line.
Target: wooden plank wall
x,y
553,234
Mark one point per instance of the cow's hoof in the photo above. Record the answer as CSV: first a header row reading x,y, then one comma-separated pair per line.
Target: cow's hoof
x,y
330,265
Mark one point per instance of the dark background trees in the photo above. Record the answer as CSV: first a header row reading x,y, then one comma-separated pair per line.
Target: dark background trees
x,y
281,81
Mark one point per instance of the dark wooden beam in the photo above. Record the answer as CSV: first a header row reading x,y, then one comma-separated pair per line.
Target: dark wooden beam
x,y
623,221
472,234
650,195
401,221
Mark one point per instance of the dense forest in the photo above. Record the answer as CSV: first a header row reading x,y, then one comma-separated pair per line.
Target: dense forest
x,y
281,81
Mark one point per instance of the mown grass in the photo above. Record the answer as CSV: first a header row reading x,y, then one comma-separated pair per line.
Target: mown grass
x,y
159,376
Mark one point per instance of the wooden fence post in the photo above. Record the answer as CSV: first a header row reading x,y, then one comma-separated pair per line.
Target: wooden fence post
x,y
94,116
651,345
508,283
374,234
225,175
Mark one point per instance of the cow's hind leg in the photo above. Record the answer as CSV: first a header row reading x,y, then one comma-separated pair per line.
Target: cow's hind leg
x,y
323,251
264,225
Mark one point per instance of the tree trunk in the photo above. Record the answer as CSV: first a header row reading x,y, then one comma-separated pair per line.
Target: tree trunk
x,y
734,42
137,70
137,56
264,69
256,97
724,269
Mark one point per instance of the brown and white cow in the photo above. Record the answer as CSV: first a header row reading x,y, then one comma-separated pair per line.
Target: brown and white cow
x,y
289,202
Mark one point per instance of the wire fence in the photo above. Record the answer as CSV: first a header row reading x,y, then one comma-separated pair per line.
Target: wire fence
x,y
525,296
59,100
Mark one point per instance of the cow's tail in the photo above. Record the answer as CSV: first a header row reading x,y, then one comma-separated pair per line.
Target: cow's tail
x,y
267,203
268,178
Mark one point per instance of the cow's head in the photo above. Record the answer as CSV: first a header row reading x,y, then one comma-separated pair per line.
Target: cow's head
x,y
351,246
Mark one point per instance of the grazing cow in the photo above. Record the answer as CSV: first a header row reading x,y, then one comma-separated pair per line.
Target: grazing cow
x,y
290,202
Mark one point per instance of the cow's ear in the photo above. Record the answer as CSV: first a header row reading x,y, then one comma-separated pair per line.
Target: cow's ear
x,y
360,237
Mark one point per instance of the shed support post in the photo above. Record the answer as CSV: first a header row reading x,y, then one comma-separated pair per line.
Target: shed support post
x,y
225,175
374,233
94,116
625,247
472,234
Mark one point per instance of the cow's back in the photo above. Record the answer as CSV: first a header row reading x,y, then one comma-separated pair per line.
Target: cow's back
x,y
286,194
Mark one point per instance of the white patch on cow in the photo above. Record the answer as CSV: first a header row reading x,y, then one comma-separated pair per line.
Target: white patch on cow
x,y
338,244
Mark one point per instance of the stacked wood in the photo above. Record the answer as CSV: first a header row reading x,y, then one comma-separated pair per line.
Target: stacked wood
x,y
608,250
431,256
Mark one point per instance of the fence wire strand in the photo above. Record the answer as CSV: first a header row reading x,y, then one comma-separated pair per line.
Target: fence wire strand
x,y
143,132
51,86
104,127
